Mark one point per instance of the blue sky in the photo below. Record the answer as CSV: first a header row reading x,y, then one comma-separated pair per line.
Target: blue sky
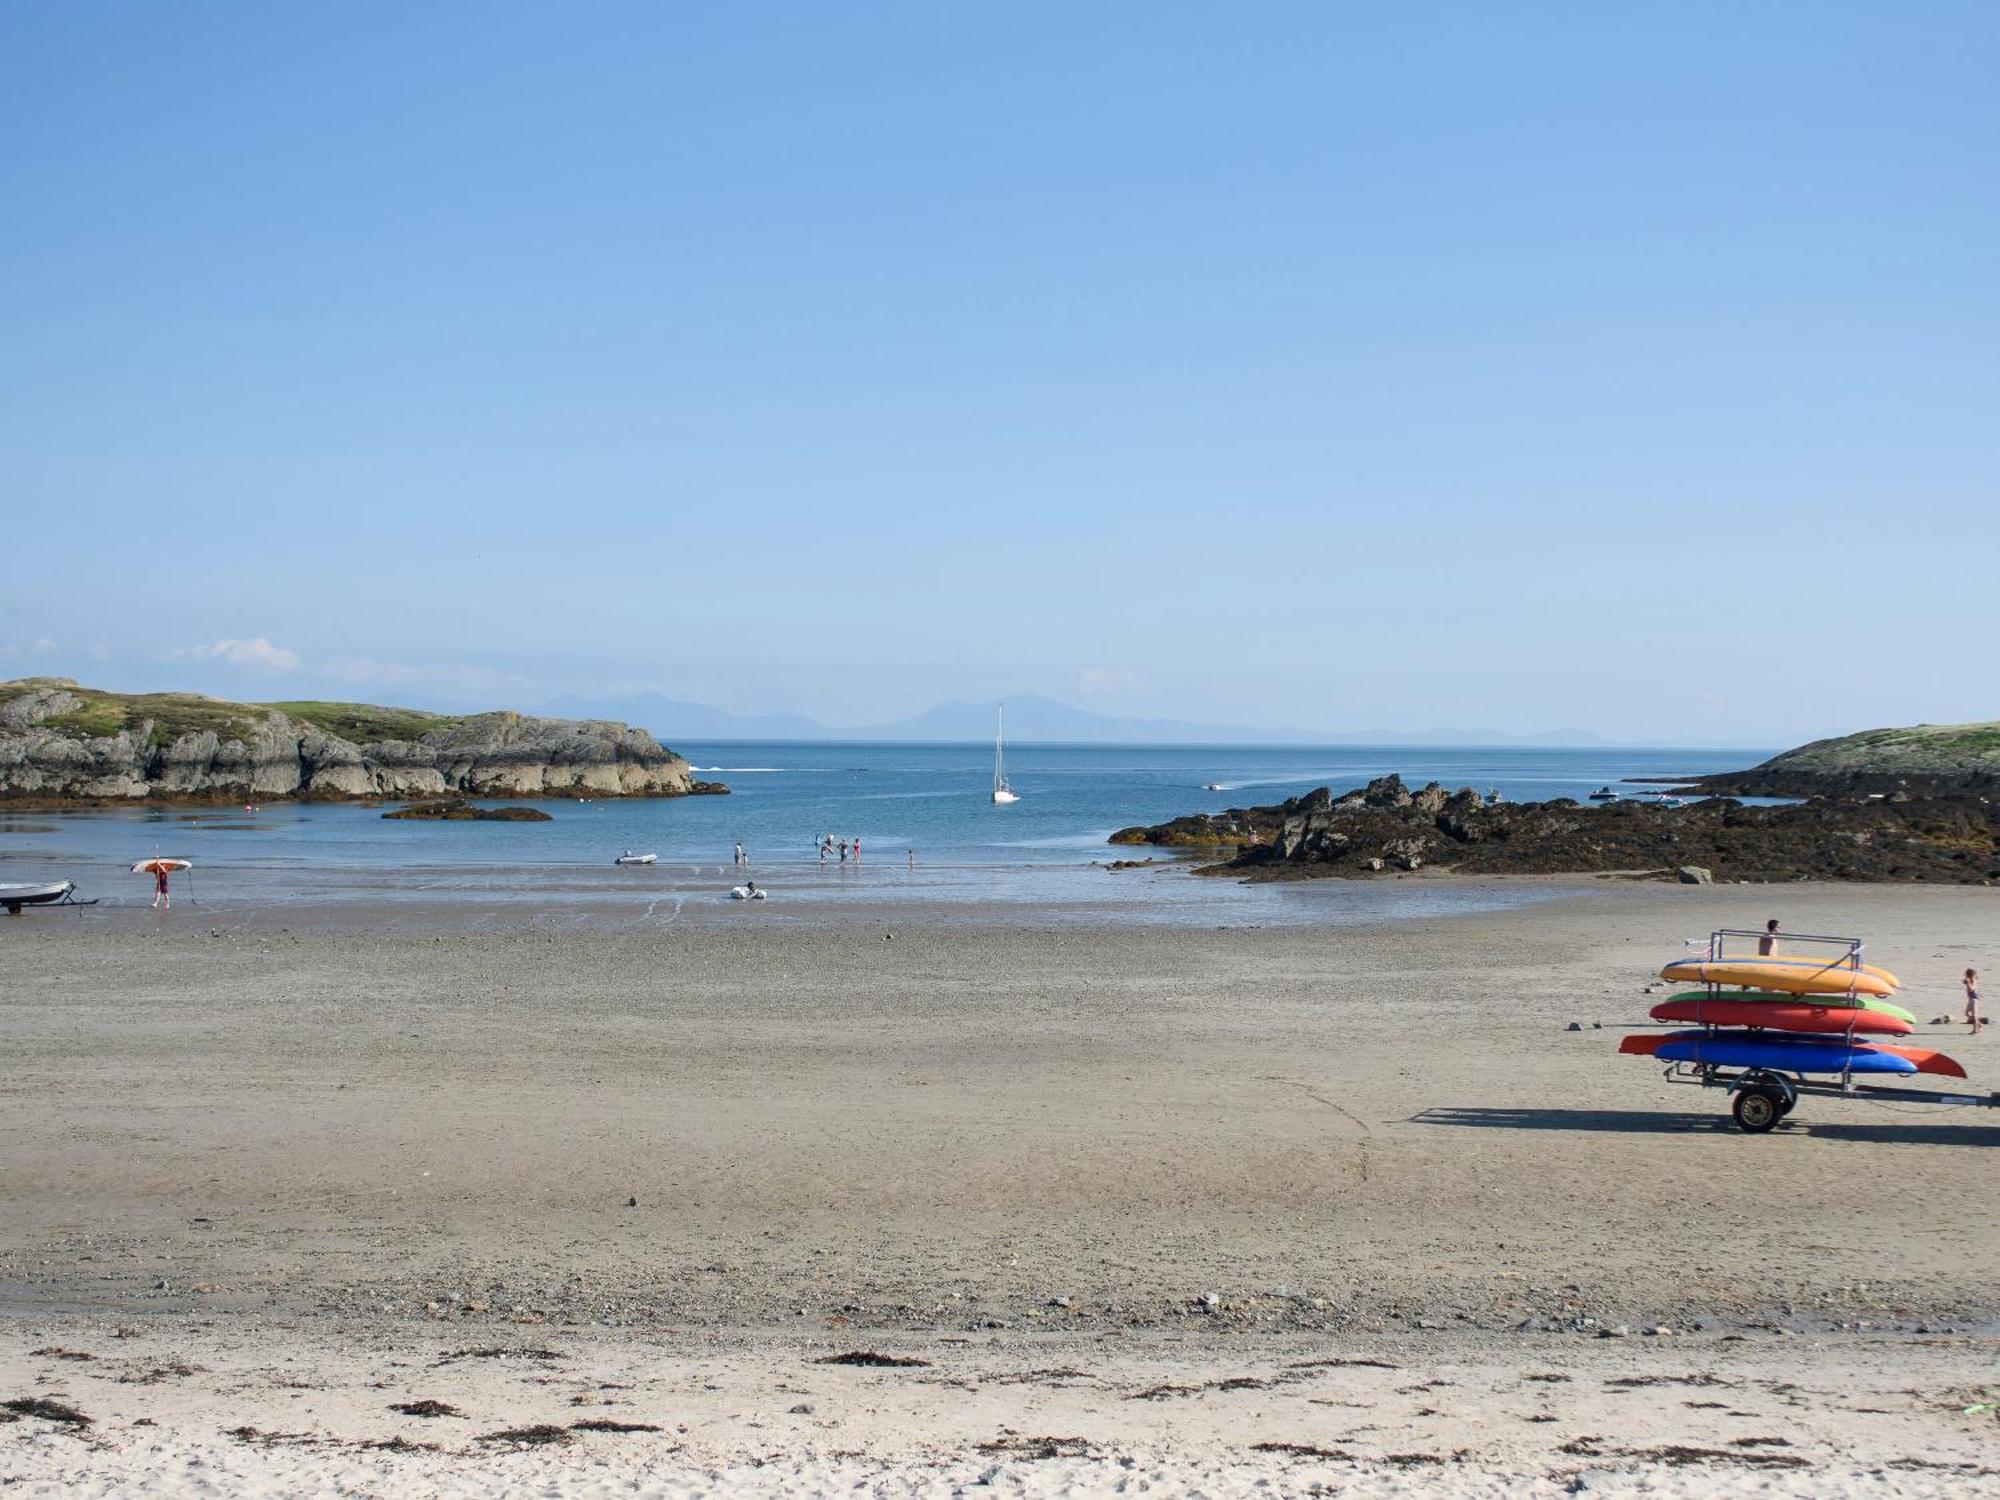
x,y
1627,366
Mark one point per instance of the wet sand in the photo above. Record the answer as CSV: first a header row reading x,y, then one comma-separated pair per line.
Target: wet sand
x,y
309,1164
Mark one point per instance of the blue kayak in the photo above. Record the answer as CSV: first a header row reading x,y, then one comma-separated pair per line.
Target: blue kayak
x,y
1784,1054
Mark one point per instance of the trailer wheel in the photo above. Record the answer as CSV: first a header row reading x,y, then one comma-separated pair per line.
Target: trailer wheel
x,y
1757,1110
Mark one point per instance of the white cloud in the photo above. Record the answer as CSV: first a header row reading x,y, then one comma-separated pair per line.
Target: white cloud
x,y
258,654
41,643
99,651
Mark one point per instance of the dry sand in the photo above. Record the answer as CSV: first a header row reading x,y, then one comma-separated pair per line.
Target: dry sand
x,y
1140,1198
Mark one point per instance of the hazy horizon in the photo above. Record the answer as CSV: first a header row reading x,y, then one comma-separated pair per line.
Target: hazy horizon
x,y
1626,368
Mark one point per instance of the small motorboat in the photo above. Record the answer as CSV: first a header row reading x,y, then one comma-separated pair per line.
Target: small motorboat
x,y
1604,794
629,858
15,895
748,891
1213,786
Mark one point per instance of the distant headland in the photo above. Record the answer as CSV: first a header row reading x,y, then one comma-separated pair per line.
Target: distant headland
x,y
1923,760
65,744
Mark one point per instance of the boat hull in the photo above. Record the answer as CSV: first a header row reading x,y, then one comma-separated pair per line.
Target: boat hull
x,y
15,896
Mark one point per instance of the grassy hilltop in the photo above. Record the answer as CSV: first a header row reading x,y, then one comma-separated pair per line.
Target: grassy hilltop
x,y
172,715
1920,750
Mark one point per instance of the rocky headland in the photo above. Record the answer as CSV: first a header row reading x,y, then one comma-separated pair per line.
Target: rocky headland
x,y
1385,827
63,744
1922,761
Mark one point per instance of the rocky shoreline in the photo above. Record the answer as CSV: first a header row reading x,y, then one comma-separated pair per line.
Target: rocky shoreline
x,y
1387,828
66,746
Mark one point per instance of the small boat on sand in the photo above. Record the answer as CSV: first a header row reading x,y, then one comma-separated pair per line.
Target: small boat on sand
x,y
629,858
15,895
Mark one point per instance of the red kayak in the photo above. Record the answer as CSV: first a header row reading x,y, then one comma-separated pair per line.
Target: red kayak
x,y
1775,1016
1927,1061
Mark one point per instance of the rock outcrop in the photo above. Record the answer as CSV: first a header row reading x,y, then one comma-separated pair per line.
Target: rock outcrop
x,y
1385,827
1925,760
61,742
467,812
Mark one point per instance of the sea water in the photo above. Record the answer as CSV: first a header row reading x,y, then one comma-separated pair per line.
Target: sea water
x,y
922,815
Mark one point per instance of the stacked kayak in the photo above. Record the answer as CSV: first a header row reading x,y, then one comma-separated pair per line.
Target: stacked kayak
x,y
1790,1015
1794,976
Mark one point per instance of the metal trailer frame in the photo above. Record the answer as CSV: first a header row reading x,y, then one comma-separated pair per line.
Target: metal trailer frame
x,y
1850,958
1764,1096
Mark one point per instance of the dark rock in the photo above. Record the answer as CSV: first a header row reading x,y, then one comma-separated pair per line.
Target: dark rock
x,y
1406,854
1386,791
465,812
1953,839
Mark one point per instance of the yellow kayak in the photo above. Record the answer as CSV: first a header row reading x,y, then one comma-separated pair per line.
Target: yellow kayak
x,y
1791,976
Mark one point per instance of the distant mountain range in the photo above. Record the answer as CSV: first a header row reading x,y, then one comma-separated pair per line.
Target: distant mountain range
x,y
1029,718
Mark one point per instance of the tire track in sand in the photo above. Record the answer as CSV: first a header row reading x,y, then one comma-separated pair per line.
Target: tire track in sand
x,y
1361,1141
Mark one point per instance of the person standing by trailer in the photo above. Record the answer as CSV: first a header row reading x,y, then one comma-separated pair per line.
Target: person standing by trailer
x,y
161,900
1768,943
1971,983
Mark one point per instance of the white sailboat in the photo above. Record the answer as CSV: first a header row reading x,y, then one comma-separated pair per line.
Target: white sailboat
x,y
1002,793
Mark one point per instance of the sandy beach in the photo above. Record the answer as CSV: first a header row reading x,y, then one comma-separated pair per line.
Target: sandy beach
x,y
1173,1208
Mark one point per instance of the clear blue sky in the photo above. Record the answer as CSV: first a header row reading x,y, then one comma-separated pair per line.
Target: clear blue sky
x,y
1628,366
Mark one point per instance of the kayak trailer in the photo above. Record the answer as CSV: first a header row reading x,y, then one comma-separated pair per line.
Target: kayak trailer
x,y
1763,1096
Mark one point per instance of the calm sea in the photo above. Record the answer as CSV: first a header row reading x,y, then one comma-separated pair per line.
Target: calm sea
x,y
927,802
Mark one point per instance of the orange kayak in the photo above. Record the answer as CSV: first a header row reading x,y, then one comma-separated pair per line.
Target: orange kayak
x,y
1726,1010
